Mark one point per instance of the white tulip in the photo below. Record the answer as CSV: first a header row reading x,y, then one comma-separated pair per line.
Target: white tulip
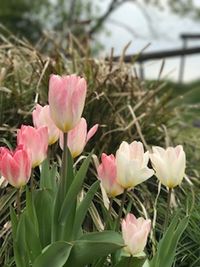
x,y
131,164
169,165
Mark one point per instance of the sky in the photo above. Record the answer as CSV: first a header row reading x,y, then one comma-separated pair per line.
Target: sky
x,y
160,30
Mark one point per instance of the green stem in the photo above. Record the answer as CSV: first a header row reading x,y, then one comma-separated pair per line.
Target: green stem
x,y
49,153
18,200
64,160
121,209
109,213
32,180
153,232
129,261
168,209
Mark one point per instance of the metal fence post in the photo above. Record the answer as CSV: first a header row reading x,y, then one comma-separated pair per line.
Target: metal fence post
x,y
182,62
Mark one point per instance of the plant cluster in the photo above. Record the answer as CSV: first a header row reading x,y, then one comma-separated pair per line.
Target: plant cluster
x,y
50,228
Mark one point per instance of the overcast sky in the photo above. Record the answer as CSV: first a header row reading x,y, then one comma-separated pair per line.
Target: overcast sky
x,y
148,25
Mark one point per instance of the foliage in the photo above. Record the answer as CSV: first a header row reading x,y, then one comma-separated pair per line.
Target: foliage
x,y
49,243
30,19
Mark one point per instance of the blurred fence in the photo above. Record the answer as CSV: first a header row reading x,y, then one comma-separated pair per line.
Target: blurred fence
x,y
162,54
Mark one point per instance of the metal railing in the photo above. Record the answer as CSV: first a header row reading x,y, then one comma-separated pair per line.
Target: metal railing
x,y
182,52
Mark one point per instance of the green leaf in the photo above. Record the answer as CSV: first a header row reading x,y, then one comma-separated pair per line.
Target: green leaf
x,y
83,208
104,236
19,261
48,176
30,210
74,190
44,213
14,222
20,244
54,255
44,175
63,187
167,246
131,262
33,244
66,232
93,246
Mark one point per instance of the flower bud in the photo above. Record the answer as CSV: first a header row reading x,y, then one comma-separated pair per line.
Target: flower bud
x,y
135,233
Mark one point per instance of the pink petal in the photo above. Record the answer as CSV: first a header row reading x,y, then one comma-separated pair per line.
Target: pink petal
x,y
91,132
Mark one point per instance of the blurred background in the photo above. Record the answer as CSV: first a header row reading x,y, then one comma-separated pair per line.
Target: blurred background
x,y
150,26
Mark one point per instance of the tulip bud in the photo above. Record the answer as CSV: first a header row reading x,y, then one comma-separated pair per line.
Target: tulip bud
x,y
169,165
132,164
41,117
135,233
16,166
78,137
66,100
35,141
107,172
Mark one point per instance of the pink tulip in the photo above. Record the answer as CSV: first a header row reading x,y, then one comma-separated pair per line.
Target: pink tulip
x,y
35,141
41,117
78,137
66,100
107,173
135,233
16,166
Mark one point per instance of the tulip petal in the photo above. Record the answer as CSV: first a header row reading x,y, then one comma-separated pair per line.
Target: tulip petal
x,y
92,132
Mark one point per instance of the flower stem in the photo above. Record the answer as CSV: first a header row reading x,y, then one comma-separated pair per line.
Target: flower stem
x,y
129,261
64,161
121,209
32,181
18,200
109,213
168,208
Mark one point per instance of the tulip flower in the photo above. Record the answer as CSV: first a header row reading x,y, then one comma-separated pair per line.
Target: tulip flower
x,y
66,100
35,141
41,117
107,174
135,233
16,166
78,137
169,165
131,164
